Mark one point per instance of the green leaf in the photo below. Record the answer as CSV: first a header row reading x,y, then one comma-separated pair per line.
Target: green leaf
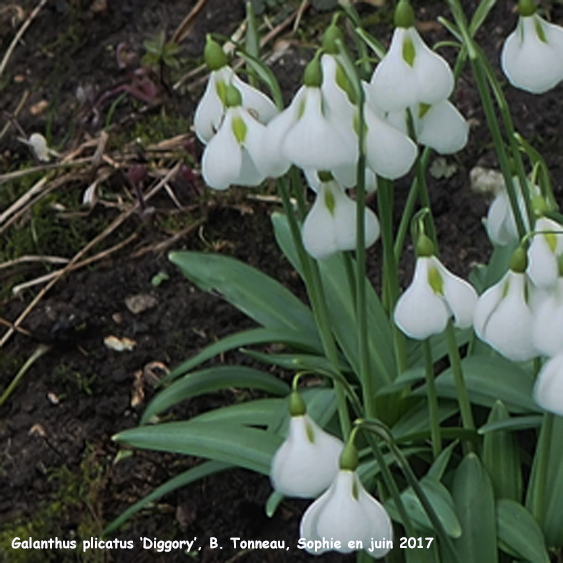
x,y
213,379
490,378
475,507
265,74
501,457
442,504
186,478
261,412
519,534
480,15
282,232
416,418
254,293
296,362
241,446
514,423
440,464
246,338
274,500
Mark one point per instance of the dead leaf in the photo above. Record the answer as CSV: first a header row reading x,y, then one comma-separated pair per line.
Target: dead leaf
x,y
119,344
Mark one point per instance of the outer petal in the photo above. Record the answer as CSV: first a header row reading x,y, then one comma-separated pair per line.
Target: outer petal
x,y
222,159
460,296
394,84
262,108
509,328
251,174
313,142
435,79
210,110
340,516
389,152
486,305
336,100
501,227
305,468
443,128
543,254
420,312
548,323
530,63
548,390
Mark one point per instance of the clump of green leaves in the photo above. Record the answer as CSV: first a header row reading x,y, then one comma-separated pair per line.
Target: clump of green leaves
x,y
160,52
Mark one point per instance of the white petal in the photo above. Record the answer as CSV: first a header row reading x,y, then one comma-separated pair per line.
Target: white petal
x,y
435,79
443,128
336,101
543,253
210,110
420,312
509,327
501,227
548,323
394,83
389,152
301,468
251,174
261,107
313,142
338,515
460,296
548,390
222,159
486,305
528,62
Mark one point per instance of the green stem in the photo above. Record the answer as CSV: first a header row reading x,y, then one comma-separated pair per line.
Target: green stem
x,y
316,294
462,396
424,199
432,400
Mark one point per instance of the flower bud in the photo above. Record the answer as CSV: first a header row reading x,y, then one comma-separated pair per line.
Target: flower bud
x,y
424,247
215,57
331,36
519,261
526,7
404,15
313,75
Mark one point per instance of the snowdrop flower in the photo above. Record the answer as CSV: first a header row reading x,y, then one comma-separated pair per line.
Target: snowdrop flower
x,y
434,296
232,156
212,106
38,143
410,73
503,317
304,133
307,462
532,56
501,225
345,513
330,226
548,321
544,253
548,390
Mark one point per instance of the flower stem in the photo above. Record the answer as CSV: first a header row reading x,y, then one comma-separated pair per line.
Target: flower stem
x,y
432,400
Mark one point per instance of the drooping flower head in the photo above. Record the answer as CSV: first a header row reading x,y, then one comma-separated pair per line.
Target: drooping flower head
x,y
346,513
548,389
503,317
545,253
213,105
433,297
532,56
307,462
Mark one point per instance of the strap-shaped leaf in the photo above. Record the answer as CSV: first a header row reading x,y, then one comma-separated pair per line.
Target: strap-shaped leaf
x,y
475,507
213,379
501,457
251,337
519,534
241,446
254,293
261,412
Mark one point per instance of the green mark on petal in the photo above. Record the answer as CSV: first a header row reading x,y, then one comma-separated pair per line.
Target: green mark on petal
x,y
539,31
355,490
310,433
435,280
551,239
344,84
239,129
330,202
423,109
221,89
505,289
409,52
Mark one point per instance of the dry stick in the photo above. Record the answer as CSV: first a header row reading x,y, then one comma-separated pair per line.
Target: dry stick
x,y
116,223
12,118
9,176
30,258
184,29
104,254
19,35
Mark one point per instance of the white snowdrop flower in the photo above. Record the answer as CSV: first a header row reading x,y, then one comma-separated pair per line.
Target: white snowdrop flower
x,y
232,156
441,127
410,73
307,462
433,297
501,225
38,143
532,56
548,389
548,322
346,513
545,252
330,226
212,106
503,317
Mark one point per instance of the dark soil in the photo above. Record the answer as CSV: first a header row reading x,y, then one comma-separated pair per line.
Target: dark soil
x,y
59,474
